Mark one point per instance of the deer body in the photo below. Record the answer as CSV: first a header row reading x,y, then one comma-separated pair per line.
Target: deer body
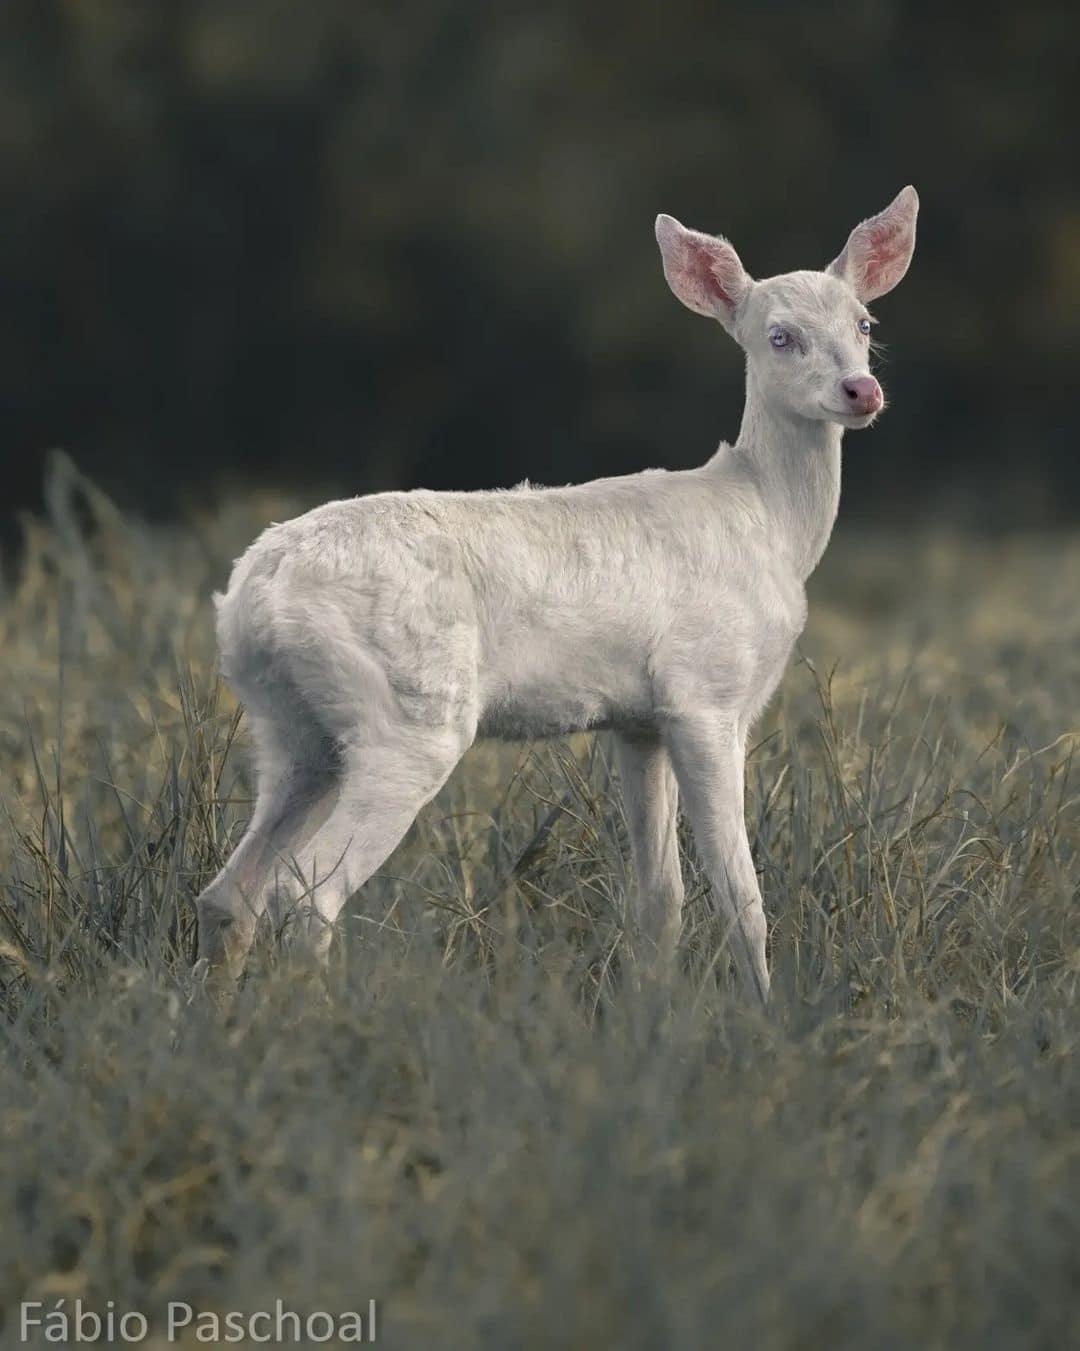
x,y
374,639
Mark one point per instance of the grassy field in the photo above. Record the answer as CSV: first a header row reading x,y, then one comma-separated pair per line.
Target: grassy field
x,y
474,1117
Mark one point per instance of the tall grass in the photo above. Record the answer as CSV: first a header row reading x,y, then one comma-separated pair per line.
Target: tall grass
x,y
476,1116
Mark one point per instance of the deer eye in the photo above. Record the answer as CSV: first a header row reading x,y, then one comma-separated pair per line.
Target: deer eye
x,y
864,327
780,337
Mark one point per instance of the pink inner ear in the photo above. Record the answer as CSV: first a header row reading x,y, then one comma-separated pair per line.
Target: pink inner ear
x,y
886,245
878,250
706,264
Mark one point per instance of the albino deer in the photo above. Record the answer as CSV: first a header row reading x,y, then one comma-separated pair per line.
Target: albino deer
x,y
373,639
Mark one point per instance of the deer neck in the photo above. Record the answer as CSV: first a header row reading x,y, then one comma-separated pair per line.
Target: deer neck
x,y
796,462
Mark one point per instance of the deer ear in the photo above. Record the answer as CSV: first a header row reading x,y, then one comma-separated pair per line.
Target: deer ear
x,y
703,271
879,250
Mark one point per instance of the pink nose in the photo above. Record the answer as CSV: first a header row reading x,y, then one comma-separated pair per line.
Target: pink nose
x,y
862,394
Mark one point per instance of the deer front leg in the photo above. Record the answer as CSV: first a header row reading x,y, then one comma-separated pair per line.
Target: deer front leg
x,y
651,800
708,753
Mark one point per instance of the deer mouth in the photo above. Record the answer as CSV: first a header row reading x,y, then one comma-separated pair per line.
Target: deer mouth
x,y
855,421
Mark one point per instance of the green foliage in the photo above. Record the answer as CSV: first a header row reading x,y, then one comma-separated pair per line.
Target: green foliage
x,y
476,1116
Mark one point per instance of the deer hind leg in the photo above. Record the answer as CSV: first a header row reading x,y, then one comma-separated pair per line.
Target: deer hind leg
x,y
297,770
372,680
708,752
381,790
651,801
401,706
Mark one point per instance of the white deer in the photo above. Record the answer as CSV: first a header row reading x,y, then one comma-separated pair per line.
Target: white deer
x,y
372,640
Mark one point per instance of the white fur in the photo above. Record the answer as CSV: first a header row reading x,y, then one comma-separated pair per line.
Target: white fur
x,y
373,639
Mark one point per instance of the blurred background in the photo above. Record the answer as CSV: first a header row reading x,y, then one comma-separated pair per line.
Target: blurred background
x,y
333,246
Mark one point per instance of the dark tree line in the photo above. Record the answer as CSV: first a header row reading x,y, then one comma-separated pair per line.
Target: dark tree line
x,y
355,245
